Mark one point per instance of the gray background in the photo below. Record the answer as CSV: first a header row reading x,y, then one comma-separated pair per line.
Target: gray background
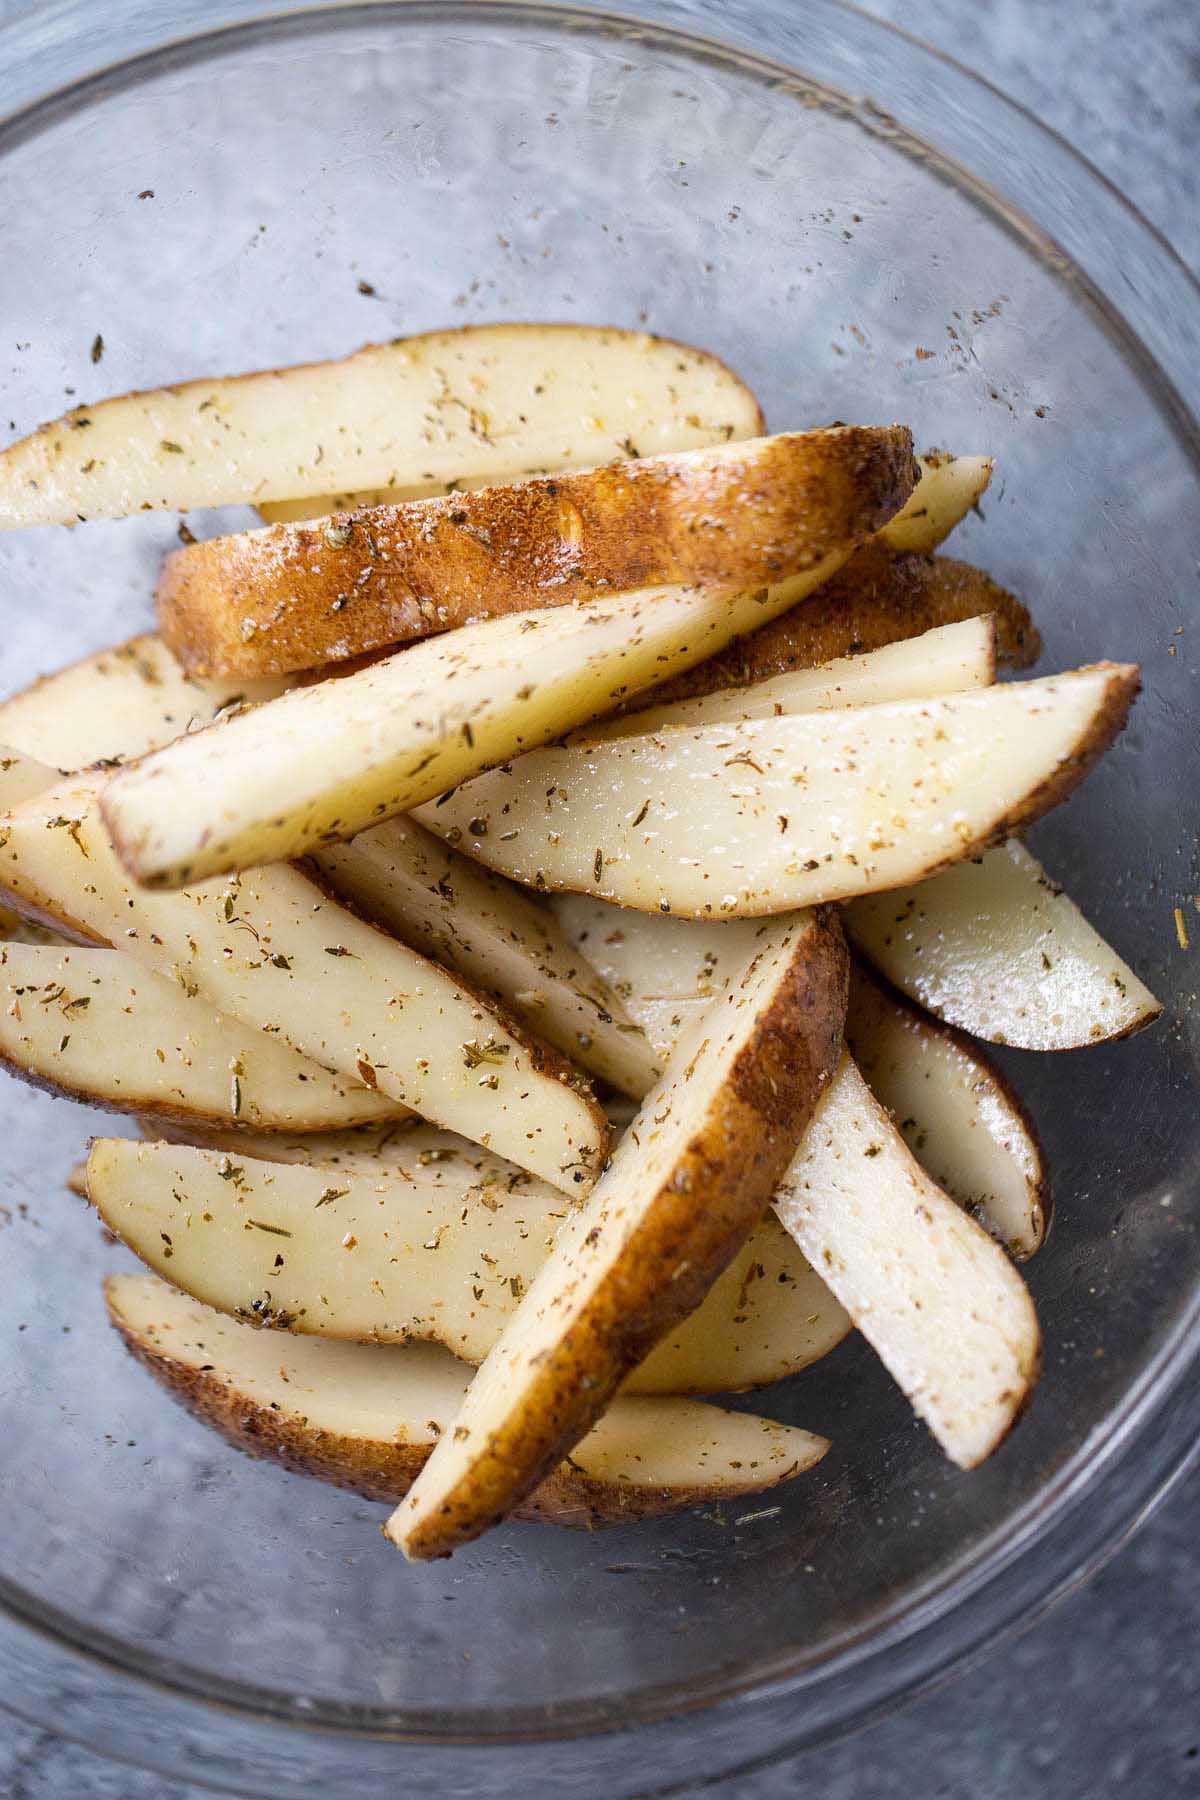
x,y
1102,1698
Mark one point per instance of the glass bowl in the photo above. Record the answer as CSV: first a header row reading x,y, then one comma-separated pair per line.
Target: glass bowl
x,y
797,199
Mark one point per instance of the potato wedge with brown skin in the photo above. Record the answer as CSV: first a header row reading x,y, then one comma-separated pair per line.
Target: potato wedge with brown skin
x,y
119,703
77,1180
756,818
496,936
956,1111
995,947
366,1416
492,400
434,1239
934,1295
291,597
950,486
327,761
273,949
875,599
641,1253
953,1108
853,1197
98,1027
947,660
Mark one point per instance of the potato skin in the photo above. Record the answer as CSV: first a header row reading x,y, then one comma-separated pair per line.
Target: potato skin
x,y
876,598
297,596
708,1200
385,1471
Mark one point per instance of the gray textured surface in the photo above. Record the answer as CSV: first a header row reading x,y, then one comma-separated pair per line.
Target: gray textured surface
x,y
1103,1697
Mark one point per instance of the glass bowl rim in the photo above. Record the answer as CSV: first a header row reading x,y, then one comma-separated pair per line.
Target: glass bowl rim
x,y
1047,1524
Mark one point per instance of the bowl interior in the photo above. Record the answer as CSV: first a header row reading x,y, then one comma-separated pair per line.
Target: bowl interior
x,y
217,210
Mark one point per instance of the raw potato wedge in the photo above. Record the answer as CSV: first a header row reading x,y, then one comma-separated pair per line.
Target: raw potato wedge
x,y
666,971
935,1296
491,932
272,948
493,400
77,1180
641,1253
853,1191
327,761
875,599
298,596
366,1416
953,1108
703,403
949,487
399,875
995,947
947,660
957,1113
96,1026
435,1240
760,817
118,703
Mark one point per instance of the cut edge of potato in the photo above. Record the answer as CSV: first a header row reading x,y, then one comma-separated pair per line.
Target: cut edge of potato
x,y
636,1464
292,597
639,1254
969,1130
935,1296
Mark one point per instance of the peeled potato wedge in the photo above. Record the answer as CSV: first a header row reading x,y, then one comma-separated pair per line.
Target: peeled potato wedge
x,y
949,487
947,660
934,1295
435,1240
492,400
119,703
759,817
291,597
325,762
366,1416
274,950
493,934
957,1113
995,947
96,1026
643,1251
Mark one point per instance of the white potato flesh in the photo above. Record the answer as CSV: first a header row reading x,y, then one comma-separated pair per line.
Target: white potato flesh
x,y
365,1416
995,947
772,814
436,1240
325,762
272,948
852,1162
492,399
666,971
949,487
947,660
119,703
95,1025
935,1296
125,701
639,1253
495,935
957,1114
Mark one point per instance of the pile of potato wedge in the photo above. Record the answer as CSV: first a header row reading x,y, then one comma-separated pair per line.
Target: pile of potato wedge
x,y
541,897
